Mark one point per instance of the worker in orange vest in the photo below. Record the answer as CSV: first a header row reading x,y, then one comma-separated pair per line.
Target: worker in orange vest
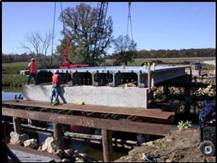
x,y
55,88
32,66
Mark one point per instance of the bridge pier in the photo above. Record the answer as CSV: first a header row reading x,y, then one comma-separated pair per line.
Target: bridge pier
x,y
16,125
107,144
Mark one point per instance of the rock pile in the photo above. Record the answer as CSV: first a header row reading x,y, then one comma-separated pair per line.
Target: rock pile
x,y
16,138
209,90
67,155
31,143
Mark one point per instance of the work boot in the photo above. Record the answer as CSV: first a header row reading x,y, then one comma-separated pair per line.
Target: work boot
x,y
56,103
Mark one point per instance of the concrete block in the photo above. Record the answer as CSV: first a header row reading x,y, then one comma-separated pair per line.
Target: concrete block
x,y
91,95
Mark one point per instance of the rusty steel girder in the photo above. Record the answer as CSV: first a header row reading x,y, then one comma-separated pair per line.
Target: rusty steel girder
x,y
139,112
115,125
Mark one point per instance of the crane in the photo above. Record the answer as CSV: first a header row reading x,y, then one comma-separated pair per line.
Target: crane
x,y
65,61
67,42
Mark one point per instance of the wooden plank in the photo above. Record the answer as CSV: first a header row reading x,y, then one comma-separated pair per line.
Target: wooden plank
x,y
115,125
140,112
107,145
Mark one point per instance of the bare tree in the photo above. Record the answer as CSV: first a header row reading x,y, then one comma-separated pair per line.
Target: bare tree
x,y
36,43
46,42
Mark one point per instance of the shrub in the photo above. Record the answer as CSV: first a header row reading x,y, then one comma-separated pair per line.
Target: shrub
x,y
13,80
184,125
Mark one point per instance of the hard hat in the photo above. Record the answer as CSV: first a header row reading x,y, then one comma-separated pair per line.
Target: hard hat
x,y
33,59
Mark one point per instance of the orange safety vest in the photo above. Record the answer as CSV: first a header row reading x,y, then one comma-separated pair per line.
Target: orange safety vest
x,y
55,79
32,68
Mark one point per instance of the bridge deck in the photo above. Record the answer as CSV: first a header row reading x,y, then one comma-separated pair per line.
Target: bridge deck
x,y
139,112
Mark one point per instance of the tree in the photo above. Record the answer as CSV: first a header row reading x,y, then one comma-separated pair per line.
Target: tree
x,y
125,48
36,43
88,45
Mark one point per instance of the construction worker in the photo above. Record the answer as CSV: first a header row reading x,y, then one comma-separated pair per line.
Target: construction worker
x,y
32,71
55,88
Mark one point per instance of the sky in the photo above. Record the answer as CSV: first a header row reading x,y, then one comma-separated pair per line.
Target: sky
x,y
155,25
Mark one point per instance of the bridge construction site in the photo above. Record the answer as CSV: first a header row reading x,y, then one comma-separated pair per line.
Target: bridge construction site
x,y
102,98
114,106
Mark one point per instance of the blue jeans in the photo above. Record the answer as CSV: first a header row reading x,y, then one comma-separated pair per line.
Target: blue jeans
x,y
34,76
54,94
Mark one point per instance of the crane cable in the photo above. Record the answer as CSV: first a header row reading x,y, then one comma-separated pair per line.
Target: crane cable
x,y
67,44
53,30
61,7
129,21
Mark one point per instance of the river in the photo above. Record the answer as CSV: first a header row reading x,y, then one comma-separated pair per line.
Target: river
x,y
94,151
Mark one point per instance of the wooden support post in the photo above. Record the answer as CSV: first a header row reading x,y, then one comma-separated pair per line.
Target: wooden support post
x,y
149,77
187,100
107,144
72,79
92,77
138,79
58,134
190,68
16,124
113,80
166,92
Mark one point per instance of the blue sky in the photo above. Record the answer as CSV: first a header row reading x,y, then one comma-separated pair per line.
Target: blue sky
x,y
166,25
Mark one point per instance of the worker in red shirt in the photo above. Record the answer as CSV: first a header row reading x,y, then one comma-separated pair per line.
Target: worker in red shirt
x,y
32,66
55,88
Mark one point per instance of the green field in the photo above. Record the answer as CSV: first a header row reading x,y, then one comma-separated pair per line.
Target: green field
x,y
11,77
10,74
172,61
13,68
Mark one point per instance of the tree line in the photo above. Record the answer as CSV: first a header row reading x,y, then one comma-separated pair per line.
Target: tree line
x,y
209,52
205,52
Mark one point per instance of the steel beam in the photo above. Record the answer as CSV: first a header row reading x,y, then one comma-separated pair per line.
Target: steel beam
x,y
115,125
150,113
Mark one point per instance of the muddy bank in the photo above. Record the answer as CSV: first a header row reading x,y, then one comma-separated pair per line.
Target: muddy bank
x,y
179,146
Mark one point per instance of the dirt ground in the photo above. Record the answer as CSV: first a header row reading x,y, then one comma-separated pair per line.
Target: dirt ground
x,y
179,146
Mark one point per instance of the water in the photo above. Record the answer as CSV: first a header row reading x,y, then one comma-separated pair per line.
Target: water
x,y
9,95
84,147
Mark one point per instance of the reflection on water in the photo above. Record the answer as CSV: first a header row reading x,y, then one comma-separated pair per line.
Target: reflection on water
x,y
9,95
94,151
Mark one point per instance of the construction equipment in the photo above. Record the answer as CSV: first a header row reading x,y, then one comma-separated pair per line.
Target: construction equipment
x,y
67,45
102,11
67,42
65,61
208,129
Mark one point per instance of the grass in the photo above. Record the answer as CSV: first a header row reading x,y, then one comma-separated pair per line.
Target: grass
x,y
13,80
13,68
10,74
170,61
